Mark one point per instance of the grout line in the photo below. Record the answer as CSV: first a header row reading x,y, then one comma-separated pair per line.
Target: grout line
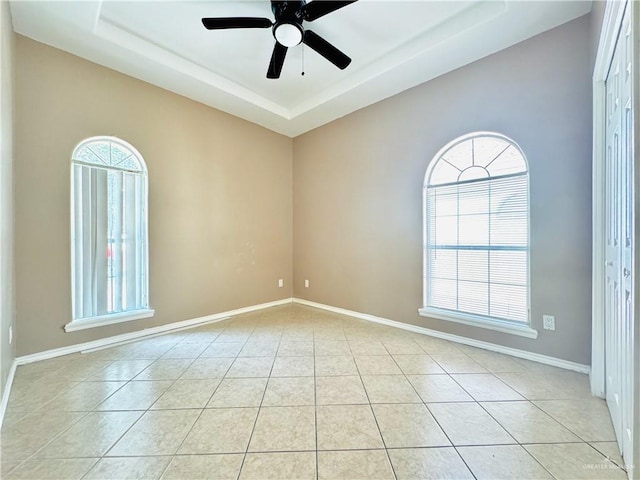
x,y
521,445
537,461
155,401
477,402
93,410
179,342
315,403
622,467
30,457
86,412
427,407
216,389
373,414
87,379
559,422
255,422
258,321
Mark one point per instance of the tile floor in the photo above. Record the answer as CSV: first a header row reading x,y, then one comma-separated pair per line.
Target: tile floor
x,y
298,393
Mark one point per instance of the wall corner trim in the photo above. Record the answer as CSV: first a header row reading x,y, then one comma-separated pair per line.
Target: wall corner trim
x,y
7,390
147,332
514,352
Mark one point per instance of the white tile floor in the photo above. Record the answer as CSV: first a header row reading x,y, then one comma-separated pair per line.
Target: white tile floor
x,y
298,393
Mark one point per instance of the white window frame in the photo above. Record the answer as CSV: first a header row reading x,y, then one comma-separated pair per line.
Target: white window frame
x,y
481,321
129,315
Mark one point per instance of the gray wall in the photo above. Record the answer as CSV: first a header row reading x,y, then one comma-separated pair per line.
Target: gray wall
x,y
219,196
221,216
6,192
596,17
358,188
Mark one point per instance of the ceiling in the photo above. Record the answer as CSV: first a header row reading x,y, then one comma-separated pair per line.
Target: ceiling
x,y
394,45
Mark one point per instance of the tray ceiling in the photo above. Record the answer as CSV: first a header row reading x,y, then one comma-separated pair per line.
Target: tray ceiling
x,y
394,45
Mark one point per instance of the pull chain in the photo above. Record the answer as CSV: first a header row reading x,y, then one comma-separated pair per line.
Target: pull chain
x,y
303,59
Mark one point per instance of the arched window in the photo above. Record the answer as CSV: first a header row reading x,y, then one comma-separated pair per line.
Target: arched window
x,y
476,232
108,233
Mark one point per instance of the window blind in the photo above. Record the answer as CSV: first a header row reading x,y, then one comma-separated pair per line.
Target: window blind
x,y
477,246
108,231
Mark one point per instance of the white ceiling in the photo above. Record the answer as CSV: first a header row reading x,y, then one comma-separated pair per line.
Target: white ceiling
x,y
394,45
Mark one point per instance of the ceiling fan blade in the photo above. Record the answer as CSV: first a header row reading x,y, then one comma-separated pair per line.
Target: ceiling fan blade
x,y
277,60
324,48
319,8
235,22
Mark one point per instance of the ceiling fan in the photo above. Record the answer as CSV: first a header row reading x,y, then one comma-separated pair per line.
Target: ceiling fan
x,y
288,30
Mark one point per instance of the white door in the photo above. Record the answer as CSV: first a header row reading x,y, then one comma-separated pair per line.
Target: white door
x,y
613,202
627,230
619,198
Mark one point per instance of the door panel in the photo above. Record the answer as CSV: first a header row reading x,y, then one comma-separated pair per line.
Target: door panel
x,y
619,211
613,249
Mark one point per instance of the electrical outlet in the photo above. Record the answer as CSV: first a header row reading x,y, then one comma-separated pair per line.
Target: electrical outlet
x,y
281,283
548,322
306,284
10,334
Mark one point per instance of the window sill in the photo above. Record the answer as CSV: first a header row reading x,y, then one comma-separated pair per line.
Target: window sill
x,y
480,322
102,320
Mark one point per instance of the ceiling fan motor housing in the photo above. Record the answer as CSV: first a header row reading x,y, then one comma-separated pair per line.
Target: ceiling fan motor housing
x,y
287,29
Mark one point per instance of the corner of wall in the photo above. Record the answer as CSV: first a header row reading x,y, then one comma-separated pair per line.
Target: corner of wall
x,y
7,273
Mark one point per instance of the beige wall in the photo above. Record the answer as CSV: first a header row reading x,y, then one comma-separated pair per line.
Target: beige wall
x,y
220,197
6,191
221,202
358,188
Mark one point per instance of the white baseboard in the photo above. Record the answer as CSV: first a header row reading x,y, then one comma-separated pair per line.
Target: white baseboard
x,y
147,332
535,357
217,317
7,391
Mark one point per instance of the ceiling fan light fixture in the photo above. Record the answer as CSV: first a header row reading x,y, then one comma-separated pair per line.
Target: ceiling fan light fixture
x,y
287,30
288,34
